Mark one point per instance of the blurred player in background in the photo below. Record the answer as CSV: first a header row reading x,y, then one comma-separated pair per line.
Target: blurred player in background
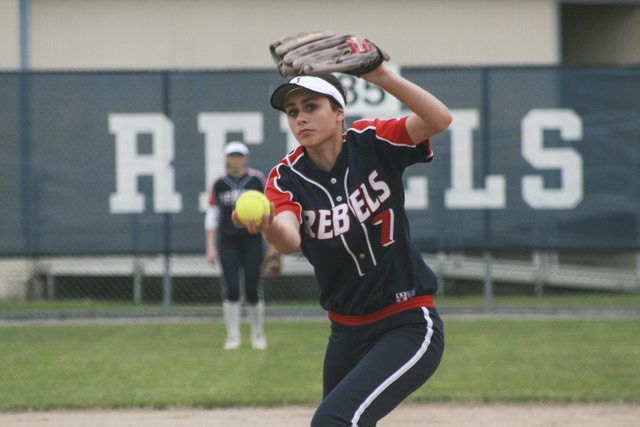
x,y
339,197
235,248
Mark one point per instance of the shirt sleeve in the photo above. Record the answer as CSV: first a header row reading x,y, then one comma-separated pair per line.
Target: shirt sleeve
x,y
392,142
279,191
211,218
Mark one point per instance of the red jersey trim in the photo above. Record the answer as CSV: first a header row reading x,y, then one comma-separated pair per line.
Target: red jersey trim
x,y
392,131
282,199
421,301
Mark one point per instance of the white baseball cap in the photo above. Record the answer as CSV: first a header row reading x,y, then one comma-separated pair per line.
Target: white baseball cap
x,y
312,83
236,147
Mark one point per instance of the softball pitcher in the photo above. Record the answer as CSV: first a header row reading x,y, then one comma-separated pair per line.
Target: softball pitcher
x,y
339,197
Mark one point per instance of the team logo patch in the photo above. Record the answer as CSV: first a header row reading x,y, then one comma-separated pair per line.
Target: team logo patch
x,y
403,296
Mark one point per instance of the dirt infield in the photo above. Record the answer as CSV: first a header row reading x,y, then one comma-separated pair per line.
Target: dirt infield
x,y
409,415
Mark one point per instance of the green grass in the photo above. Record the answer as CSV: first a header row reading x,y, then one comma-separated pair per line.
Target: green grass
x,y
585,300
539,360
171,364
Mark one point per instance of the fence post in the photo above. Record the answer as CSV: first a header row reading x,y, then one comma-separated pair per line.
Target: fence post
x,y
638,270
51,286
440,271
138,273
166,284
488,282
539,263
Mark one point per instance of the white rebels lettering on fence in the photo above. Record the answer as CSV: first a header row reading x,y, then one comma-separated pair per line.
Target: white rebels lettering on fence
x,y
462,194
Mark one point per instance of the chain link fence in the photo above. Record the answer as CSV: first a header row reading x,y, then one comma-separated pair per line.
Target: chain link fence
x,y
186,285
103,162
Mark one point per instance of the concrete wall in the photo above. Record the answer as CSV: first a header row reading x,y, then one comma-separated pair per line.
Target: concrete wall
x,y
14,277
148,34
9,34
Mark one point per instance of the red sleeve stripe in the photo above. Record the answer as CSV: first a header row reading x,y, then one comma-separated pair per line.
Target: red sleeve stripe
x,y
282,199
393,131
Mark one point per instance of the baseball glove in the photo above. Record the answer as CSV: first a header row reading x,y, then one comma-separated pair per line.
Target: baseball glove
x,y
271,264
314,53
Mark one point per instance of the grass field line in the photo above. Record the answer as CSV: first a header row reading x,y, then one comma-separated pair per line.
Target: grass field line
x,y
313,314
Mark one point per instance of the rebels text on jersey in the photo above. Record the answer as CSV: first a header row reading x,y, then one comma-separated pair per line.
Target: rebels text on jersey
x,y
354,227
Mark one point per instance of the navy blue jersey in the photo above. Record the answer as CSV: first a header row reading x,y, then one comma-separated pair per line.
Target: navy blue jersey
x,y
354,227
223,195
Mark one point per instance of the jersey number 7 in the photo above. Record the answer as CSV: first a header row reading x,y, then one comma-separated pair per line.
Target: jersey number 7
x,y
385,220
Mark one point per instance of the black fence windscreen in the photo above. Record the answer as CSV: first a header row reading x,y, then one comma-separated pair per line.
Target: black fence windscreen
x,y
120,163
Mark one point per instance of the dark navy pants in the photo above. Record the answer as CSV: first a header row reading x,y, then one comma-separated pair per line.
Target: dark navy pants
x,y
371,369
244,253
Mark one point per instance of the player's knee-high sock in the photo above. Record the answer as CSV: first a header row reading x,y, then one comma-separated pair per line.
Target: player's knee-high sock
x,y
256,317
231,312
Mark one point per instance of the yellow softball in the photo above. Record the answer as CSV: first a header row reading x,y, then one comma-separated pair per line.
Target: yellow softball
x,y
252,204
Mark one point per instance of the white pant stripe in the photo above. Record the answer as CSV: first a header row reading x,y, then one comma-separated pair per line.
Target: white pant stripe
x,y
382,387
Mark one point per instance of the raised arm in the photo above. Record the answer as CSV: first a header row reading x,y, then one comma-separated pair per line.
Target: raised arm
x,y
429,115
